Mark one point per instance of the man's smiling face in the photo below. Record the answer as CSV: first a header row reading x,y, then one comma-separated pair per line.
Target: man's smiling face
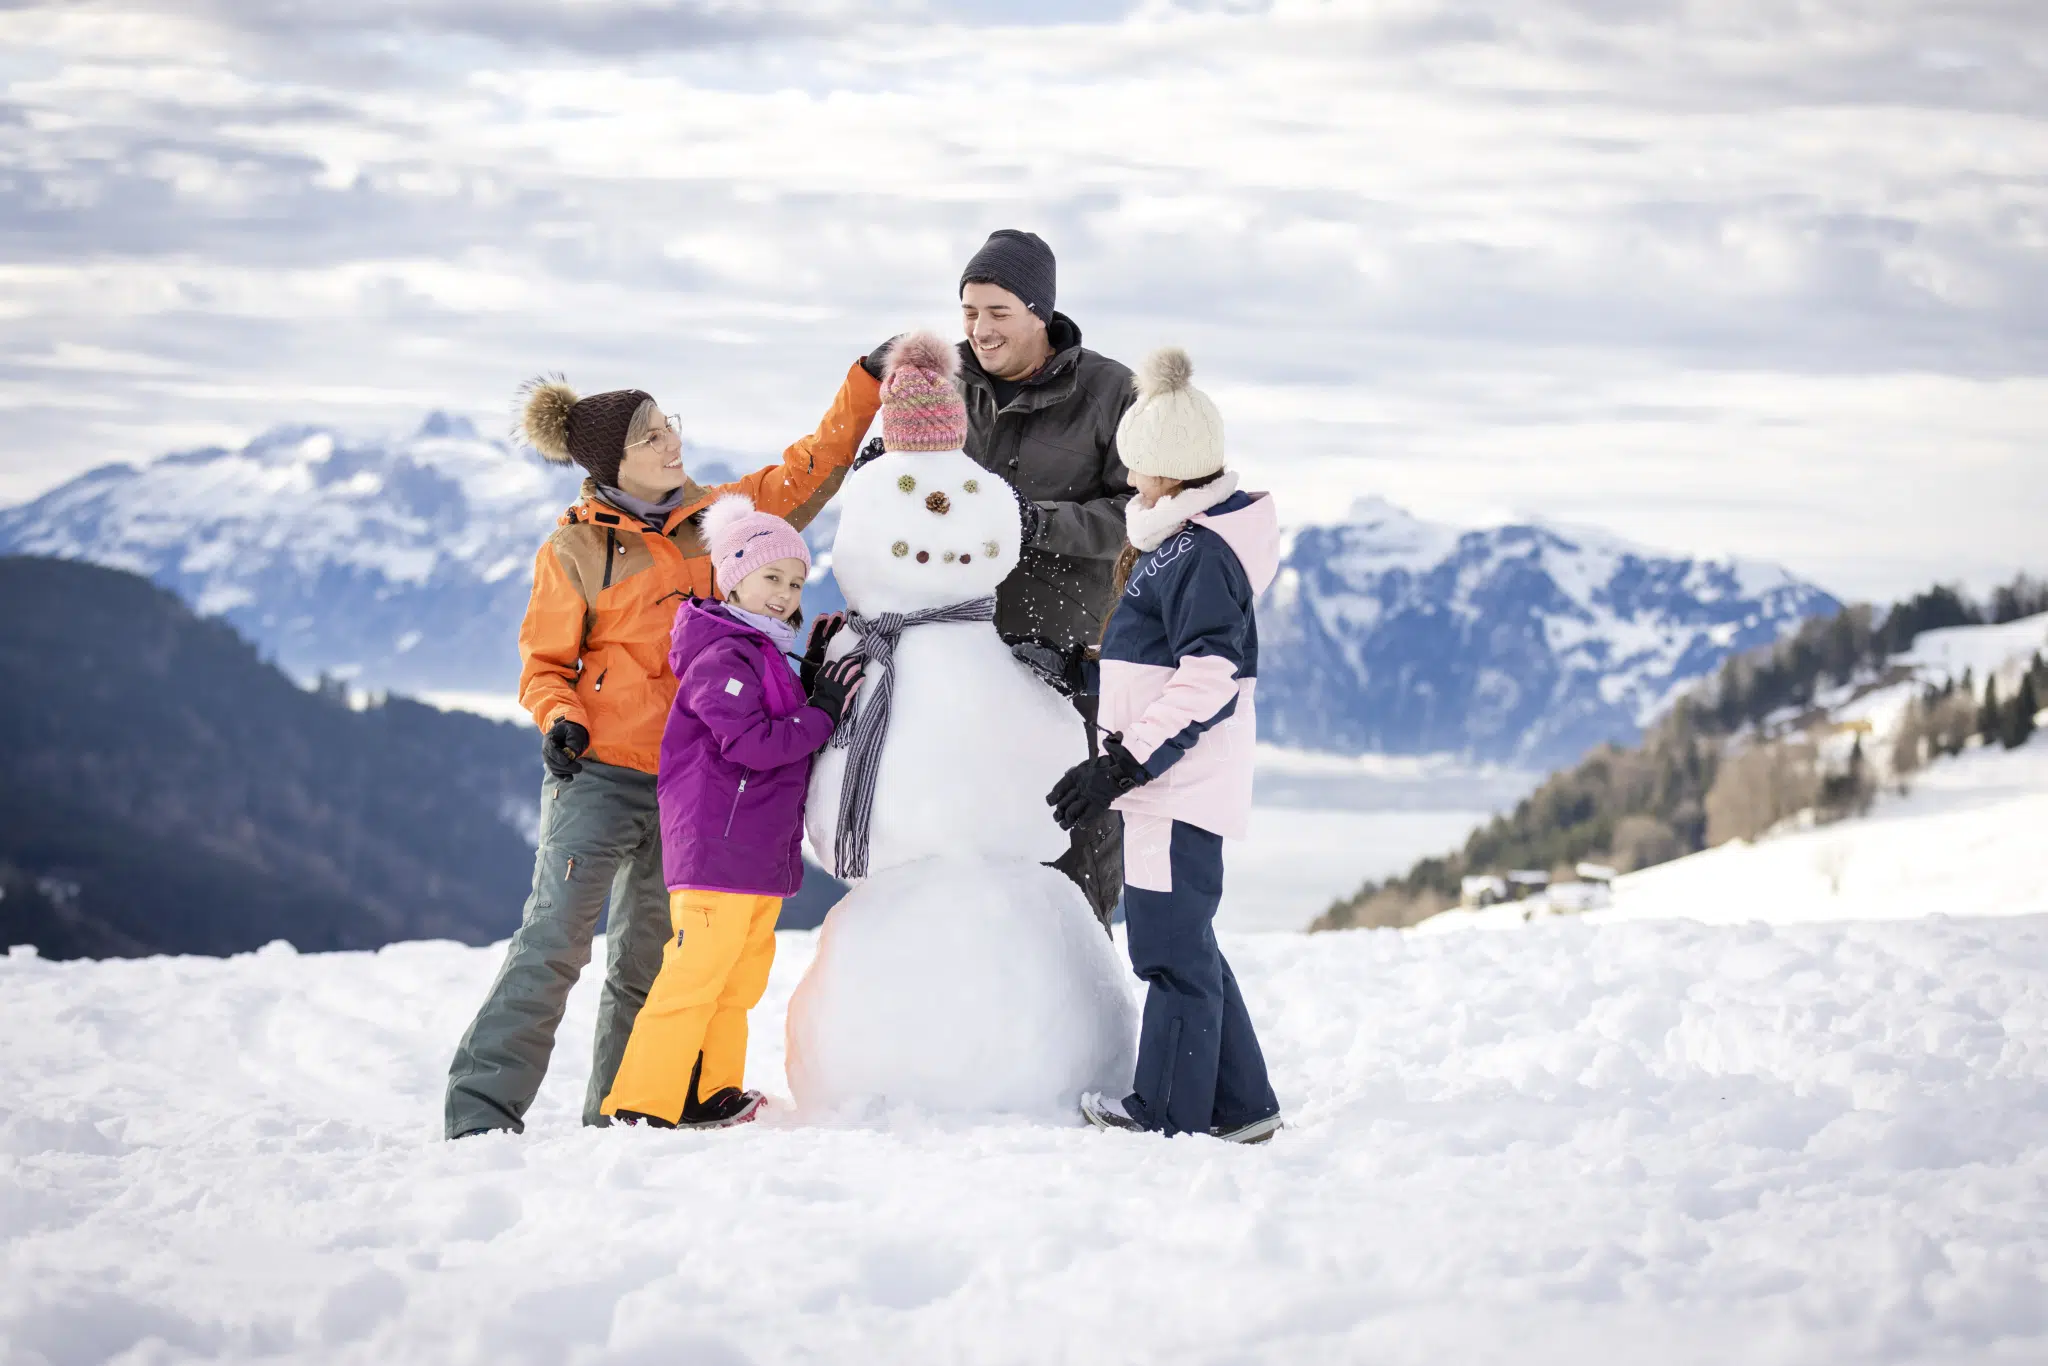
x,y
1008,339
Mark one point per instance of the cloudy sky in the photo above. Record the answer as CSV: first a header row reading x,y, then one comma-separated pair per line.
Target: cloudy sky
x,y
1725,276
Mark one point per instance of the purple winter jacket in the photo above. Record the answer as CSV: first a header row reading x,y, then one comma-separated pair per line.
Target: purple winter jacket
x,y
735,759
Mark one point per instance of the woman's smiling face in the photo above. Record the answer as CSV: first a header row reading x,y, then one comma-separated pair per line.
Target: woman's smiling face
x,y
653,464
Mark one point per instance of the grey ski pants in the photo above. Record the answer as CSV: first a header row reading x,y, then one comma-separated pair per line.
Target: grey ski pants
x,y
600,840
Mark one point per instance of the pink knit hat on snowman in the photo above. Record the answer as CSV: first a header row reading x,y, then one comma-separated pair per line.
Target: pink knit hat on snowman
x,y
921,407
741,540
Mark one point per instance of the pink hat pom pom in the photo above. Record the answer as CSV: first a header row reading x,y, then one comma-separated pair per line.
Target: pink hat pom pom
x,y
723,517
926,351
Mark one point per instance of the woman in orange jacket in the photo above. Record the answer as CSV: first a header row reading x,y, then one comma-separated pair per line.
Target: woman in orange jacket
x,y
594,674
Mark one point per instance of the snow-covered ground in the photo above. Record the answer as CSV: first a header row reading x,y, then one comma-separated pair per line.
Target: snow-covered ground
x,y
1661,1141
1969,839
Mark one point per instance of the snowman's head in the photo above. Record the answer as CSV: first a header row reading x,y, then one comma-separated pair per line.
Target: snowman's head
x,y
922,529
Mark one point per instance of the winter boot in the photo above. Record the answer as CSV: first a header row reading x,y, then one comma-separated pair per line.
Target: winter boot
x,y
723,1109
1107,1112
1258,1131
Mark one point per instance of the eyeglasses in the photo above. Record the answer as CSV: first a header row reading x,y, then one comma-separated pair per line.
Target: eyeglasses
x,y
672,423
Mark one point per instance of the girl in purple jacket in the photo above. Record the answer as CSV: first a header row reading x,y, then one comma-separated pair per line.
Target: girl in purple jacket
x,y
735,766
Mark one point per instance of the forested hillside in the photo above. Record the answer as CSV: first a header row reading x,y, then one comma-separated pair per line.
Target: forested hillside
x,y
1686,786
169,791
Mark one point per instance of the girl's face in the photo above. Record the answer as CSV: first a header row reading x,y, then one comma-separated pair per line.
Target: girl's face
x,y
776,589
1151,487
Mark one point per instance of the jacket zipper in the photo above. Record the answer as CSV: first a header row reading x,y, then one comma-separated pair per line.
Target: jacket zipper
x,y
730,815
611,550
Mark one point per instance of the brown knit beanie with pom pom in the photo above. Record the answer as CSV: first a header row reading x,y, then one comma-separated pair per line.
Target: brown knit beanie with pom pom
x,y
590,431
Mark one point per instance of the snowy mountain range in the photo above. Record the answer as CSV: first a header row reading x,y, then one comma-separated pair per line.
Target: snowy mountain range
x,y
400,564
1526,644
403,564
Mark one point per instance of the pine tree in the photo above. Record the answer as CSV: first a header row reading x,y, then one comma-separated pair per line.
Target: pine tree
x,y
1990,719
2019,718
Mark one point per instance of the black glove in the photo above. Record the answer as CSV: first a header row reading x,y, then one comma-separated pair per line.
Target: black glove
x,y
1030,520
822,631
832,690
1086,791
876,360
562,746
1064,671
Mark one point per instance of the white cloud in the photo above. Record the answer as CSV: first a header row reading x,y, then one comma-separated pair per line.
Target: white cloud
x,y
1719,275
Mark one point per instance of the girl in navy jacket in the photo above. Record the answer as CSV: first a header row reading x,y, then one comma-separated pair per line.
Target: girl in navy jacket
x,y
1180,662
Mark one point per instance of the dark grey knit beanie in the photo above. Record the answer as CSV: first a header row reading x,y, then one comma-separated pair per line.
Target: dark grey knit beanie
x,y
1020,262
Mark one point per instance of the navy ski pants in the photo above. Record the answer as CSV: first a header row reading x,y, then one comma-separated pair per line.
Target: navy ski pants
x,y
1199,1064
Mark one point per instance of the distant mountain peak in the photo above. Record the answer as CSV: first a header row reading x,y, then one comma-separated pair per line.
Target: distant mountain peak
x,y
1526,643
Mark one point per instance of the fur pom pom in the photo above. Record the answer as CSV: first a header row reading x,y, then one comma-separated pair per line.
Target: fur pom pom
x,y
723,515
544,407
1167,370
926,351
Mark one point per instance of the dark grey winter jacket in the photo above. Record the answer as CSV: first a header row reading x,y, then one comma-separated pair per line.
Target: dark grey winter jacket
x,y
1056,442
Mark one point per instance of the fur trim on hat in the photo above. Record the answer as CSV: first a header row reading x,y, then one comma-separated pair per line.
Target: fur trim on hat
x,y
545,402
726,514
1165,371
921,351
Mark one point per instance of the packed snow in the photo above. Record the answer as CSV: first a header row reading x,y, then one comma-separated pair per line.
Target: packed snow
x,y
1016,1008
1809,1143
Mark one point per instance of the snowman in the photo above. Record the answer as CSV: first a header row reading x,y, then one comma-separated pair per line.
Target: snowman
x,y
959,973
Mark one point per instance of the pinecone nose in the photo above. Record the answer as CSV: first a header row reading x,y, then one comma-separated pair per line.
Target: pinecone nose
x,y
939,503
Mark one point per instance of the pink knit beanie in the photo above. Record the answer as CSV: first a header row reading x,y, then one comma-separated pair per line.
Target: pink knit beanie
x,y
921,408
742,540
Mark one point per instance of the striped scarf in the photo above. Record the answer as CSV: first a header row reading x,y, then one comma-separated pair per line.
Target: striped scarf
x,y
863,736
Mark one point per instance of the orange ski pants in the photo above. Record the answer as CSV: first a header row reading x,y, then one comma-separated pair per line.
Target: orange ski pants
x,y
713,971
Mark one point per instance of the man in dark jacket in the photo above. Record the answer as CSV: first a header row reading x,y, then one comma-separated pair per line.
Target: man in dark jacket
x,y
1042,411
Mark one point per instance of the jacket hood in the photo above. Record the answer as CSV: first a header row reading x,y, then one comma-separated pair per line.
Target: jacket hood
x,y
698,625
1250,525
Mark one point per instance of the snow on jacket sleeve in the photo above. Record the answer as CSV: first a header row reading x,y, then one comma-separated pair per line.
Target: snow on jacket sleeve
x,y
724,688
1207,608
551,642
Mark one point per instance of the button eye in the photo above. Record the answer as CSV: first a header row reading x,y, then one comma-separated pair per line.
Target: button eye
x,y
971,486
906,483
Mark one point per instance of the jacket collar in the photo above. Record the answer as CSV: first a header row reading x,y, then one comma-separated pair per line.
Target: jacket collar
x,y
595,507
1149,524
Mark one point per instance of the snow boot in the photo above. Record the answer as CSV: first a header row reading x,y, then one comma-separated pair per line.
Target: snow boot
x,y
723,1109
1258,1131
1107,1112
633,1119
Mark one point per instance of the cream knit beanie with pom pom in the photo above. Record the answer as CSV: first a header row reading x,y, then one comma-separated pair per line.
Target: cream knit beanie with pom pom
x,y
1173,431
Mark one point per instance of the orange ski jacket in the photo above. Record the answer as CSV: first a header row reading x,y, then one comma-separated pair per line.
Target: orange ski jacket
x,y
594,644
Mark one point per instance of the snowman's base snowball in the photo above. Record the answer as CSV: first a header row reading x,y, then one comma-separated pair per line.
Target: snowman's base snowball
x,y
962,985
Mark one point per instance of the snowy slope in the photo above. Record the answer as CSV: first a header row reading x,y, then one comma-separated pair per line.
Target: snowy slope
x,y
1666,1141
1968,837
1525,644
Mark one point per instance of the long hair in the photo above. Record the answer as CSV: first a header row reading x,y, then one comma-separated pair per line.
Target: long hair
x,y
1127,561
